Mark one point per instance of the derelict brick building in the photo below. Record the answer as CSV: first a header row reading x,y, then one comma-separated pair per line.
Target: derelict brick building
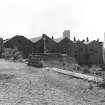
x,y
65,46
95,53
44,43
21,43
79,52
84,53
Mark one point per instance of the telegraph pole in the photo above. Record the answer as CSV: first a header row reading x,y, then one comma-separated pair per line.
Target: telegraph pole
x,y
104,49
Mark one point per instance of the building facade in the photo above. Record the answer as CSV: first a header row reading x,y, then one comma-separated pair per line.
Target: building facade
x,y
79,52
21,43
65,46
45,45
83,52
95,52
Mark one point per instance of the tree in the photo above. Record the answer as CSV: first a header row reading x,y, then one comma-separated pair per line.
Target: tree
x,y
74,39
87,39
52,38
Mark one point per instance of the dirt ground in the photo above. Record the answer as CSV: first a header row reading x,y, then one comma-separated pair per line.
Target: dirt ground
x,y
23,85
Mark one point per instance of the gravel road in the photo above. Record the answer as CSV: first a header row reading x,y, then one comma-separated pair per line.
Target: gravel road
x,y
23,85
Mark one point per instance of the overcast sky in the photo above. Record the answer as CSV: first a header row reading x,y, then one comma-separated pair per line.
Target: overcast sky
x,y
32,18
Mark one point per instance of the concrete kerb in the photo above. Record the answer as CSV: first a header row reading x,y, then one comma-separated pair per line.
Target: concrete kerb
x,y
77,75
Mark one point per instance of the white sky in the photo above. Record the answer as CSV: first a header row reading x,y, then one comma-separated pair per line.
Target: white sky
x,y
32,18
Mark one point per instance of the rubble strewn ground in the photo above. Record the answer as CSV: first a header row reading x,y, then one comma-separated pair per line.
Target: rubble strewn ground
x,y
22,85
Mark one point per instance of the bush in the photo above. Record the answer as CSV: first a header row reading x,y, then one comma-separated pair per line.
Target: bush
x,y
86,70
89,65
90,87
78,68
99,73
11,53
102,85
7,53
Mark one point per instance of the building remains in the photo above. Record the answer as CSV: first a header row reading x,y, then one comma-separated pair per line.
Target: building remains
x,y
85,52
21,43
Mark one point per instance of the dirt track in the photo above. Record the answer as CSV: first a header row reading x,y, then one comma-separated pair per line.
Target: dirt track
x,y
31,86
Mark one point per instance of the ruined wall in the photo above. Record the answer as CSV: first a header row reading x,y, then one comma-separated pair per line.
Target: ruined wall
x,y
95,54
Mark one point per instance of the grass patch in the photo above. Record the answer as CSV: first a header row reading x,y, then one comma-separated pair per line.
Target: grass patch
x,y
86,71
6,77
